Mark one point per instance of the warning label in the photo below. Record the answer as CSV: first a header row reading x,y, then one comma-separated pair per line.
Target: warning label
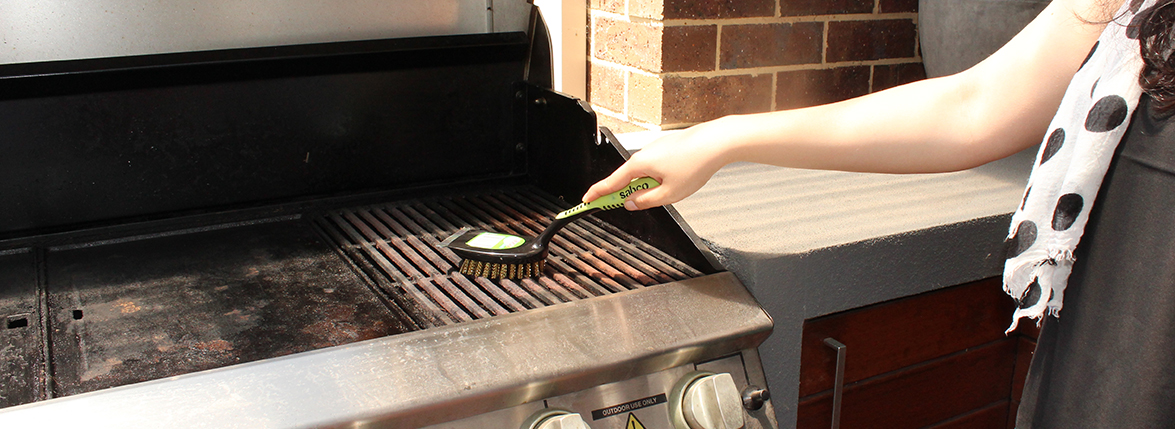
x,y
633,423
629,406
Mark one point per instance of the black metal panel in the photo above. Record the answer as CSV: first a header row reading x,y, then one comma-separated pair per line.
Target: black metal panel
x,y
147,309
22,362
91,141
566,156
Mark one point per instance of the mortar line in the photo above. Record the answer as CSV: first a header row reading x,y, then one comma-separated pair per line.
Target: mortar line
x,y
758,70
781,19
718,49
774,91
872,70
824,44
627,88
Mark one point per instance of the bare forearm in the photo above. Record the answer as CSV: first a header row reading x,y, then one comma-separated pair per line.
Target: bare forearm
x,y
993,110
916,128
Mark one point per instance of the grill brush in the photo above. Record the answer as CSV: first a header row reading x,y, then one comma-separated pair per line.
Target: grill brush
x,y
506,256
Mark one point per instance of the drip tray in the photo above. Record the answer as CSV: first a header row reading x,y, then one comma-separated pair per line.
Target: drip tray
x,y
142,310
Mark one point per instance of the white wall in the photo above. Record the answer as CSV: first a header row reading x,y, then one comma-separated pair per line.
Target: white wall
x,y
567,22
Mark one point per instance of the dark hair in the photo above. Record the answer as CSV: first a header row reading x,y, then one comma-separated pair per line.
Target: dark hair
x,y
1156,41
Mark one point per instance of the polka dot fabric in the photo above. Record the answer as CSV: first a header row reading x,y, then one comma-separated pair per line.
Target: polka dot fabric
x,y
1069,169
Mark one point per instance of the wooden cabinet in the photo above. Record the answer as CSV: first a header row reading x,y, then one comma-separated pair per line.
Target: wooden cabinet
x,y
938,359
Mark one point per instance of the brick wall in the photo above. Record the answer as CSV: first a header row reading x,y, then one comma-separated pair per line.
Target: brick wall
x,y
664,64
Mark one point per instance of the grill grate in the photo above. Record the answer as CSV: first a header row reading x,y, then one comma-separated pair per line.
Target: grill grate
x,y
397,245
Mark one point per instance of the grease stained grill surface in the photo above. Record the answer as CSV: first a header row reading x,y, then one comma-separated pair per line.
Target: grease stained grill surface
x,y
101,314
397,246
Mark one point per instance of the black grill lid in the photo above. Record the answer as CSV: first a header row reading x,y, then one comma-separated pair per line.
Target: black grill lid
x,y
132,138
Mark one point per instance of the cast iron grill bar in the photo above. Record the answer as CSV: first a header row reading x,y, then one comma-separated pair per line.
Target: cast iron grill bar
x,y
399,243
558,289
646,262
558,245
418,224
463,216
577,288
420,266
581,242
427,218
495,304
424,293
577,257
427,276
514,290
422,310
538,291
615,238
412,227
567,251
365,269
582,278
436,266
602,247
430,292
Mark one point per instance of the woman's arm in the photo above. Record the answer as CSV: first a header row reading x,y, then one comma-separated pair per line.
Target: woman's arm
x,y
994,109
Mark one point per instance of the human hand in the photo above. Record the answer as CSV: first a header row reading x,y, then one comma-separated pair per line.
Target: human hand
x,y
682,162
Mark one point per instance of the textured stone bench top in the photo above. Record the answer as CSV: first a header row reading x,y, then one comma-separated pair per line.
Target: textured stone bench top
x,y
753,213
764,209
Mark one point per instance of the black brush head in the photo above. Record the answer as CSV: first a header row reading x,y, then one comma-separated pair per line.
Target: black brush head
x,y
496,248
496,255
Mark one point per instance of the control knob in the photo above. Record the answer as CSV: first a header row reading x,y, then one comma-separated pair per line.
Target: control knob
x,y
704,400
553,418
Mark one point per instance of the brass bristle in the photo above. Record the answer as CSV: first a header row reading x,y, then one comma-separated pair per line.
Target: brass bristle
x,y
502,271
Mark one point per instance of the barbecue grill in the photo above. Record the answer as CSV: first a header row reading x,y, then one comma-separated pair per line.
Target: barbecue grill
x,y
248,235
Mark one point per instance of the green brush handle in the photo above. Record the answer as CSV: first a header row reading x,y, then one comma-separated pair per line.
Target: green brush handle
x,y
611,201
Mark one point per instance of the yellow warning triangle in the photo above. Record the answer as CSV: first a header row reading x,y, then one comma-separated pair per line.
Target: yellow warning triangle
x,y
633,423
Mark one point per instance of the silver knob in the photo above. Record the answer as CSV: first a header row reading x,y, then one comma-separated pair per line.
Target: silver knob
x,y
712,402
556,419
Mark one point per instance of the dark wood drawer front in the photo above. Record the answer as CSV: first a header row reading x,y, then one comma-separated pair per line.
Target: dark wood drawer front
x,y
896,334
921,395
935,360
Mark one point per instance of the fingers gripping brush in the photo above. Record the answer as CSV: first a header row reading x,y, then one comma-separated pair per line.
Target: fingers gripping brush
x,y
497,256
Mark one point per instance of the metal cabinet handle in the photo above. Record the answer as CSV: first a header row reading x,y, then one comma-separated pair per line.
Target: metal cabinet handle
x,y
838,389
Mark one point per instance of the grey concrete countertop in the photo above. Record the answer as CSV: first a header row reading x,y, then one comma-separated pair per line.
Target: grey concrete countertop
x,y
810,243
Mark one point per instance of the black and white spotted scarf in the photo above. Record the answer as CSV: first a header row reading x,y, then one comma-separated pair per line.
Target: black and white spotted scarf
x,y
1070,166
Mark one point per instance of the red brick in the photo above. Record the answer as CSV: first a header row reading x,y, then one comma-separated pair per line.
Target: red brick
x,y
688,48
805,88
757,45
888,76
627,43
614,6
896,6
698,99
824,7
871,40
607,87
700,9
